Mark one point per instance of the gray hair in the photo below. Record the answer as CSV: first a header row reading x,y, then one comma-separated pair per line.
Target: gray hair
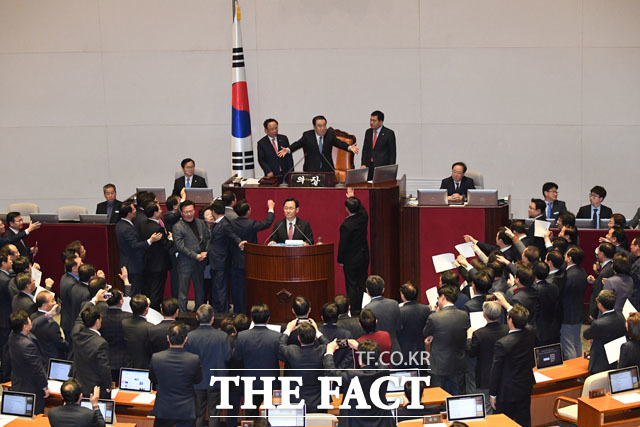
x,y
492,310
204,313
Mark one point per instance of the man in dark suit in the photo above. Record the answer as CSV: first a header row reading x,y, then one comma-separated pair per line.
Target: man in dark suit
x,y
258,348
481,284
171,217
16,235
291,227
25,300
595,210
71,414
28,363
413,316
175,371
386,310
214,349
80,292
132,247
345,320
572,307
156,257
247,230
482,344
111,330
223,239
511,379
547,321
91,354
11,238
609,326
353,250
269,147
457,184
503,243
343,358
554,207
379,147
318,144
191,239
603,265
536,212
6,260
523,291
630,351
621,283
189,180
111,205
48,333
158,333
69,279
446,331
136,333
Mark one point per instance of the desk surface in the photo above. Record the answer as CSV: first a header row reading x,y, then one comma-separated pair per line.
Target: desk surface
x,y
43,421
431,396
607,404
498,420
570,369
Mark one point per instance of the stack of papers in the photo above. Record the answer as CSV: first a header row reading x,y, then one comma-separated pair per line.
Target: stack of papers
x,y
628,398
144,398
540,378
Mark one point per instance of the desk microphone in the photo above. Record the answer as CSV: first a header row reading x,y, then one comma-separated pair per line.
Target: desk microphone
x,y
305,236
339,184
284,177
273,232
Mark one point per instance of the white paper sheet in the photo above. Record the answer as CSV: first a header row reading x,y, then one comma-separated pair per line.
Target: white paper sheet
x,y
540,378
152,316
466,250
432,296
443,262
6,419
36,275
612,348
144,398
628,309
54,386
366,299
628,398
477,320
540,227
40,289
114,393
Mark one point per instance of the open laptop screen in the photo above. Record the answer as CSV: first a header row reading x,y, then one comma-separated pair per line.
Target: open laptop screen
x,y
286,417
18,404
466,407
135,380
622,380
548,355
107,408
392,388
59,369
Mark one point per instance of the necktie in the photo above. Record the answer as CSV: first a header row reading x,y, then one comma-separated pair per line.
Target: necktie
x,y
162,224
320,144
290,231
596,217
375,138
188,183
457,186
275,146
549,209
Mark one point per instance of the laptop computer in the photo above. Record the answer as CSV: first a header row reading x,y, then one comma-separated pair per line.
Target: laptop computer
x,y
58,373
160,192
385,173
107,408
548,356
278,417
469,407
392,388
432,197
624,380
135,380
45,218
94,218
199,195
482,197
18,404
585,223
356,176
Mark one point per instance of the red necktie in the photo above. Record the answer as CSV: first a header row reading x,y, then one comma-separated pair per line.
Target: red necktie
x,y
275,146
290,231
375,138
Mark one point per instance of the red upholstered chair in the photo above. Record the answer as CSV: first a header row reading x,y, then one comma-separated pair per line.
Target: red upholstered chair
x,y
343,160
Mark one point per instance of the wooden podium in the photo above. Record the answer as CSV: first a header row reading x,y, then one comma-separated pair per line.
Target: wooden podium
x,y
277,274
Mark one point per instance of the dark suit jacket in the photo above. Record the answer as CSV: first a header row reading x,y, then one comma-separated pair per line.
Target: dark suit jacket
x,y
635,220
448,327
269,160
156,257
74,415
481,346
573,294
585,212
547,317
223,238
351,324
101,208
557,208
247,229
48,334
28,364
79,295
511,254
5,300
465,184
136,338
527,297
603,330
158,336
605,273
387,312
259,349
17,240
170,219
175,371
474,304
629,354
91,361
622,285
343,357
131,246
113,333
67,282
214,349
413,316
314,160
353,249
384,152
196,182
23,301
511,377
301,229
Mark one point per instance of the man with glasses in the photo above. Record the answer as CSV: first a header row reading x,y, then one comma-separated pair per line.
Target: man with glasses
x,y
457,184
189,180
554,207
595,210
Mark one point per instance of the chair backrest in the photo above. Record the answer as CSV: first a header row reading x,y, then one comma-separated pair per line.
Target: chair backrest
x,y
320,420
599,380
478,179
71,213
24,208
342,160
198,171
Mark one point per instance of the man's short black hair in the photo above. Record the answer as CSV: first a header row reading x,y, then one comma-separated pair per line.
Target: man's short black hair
x,y
218,207
169,306
450,277
177,333
483,281
17,320
184,162
21,264
567,218
532,254
368,321
241,322
260,313
375,285
379,115
519,316
291,199
90,316
525,275
556,258
115,298
464,166
228,197
607,249
187,203
172,202
599,190
139,304
408,387
22,280
571,232
576,254
621,264
607,298
86,272
561,244
306,333
143,197
539,204
95,284
342,302
242,207
11,216
353,204
70,261
496,267
541,270
548,186
450,293
109,185
150,208
5,254
617,232
409,291
619,220
316,118
301,306
265,124
329,312
71,391
126,208
502,235
518,226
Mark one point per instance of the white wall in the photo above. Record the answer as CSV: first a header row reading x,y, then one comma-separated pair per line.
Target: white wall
x,y
93,91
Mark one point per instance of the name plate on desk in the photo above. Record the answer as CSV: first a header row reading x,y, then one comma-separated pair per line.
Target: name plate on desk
x,y
311,179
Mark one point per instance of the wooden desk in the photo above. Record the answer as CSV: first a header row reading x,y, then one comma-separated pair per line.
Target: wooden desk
x,y
431,396
605,411
565,381
43,421
498,420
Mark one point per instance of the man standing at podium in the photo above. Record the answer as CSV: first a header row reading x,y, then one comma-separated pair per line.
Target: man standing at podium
x,y
291,227
379,147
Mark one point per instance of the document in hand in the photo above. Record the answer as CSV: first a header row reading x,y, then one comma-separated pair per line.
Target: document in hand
x,y
466,250
443,262
540,227
627,309
612,348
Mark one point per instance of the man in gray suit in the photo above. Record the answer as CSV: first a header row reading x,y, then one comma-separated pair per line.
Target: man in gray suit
x,y
387,311
190,237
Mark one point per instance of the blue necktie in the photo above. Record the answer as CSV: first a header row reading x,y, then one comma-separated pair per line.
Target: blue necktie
x,y
549,209
320,144
596,217
188,182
